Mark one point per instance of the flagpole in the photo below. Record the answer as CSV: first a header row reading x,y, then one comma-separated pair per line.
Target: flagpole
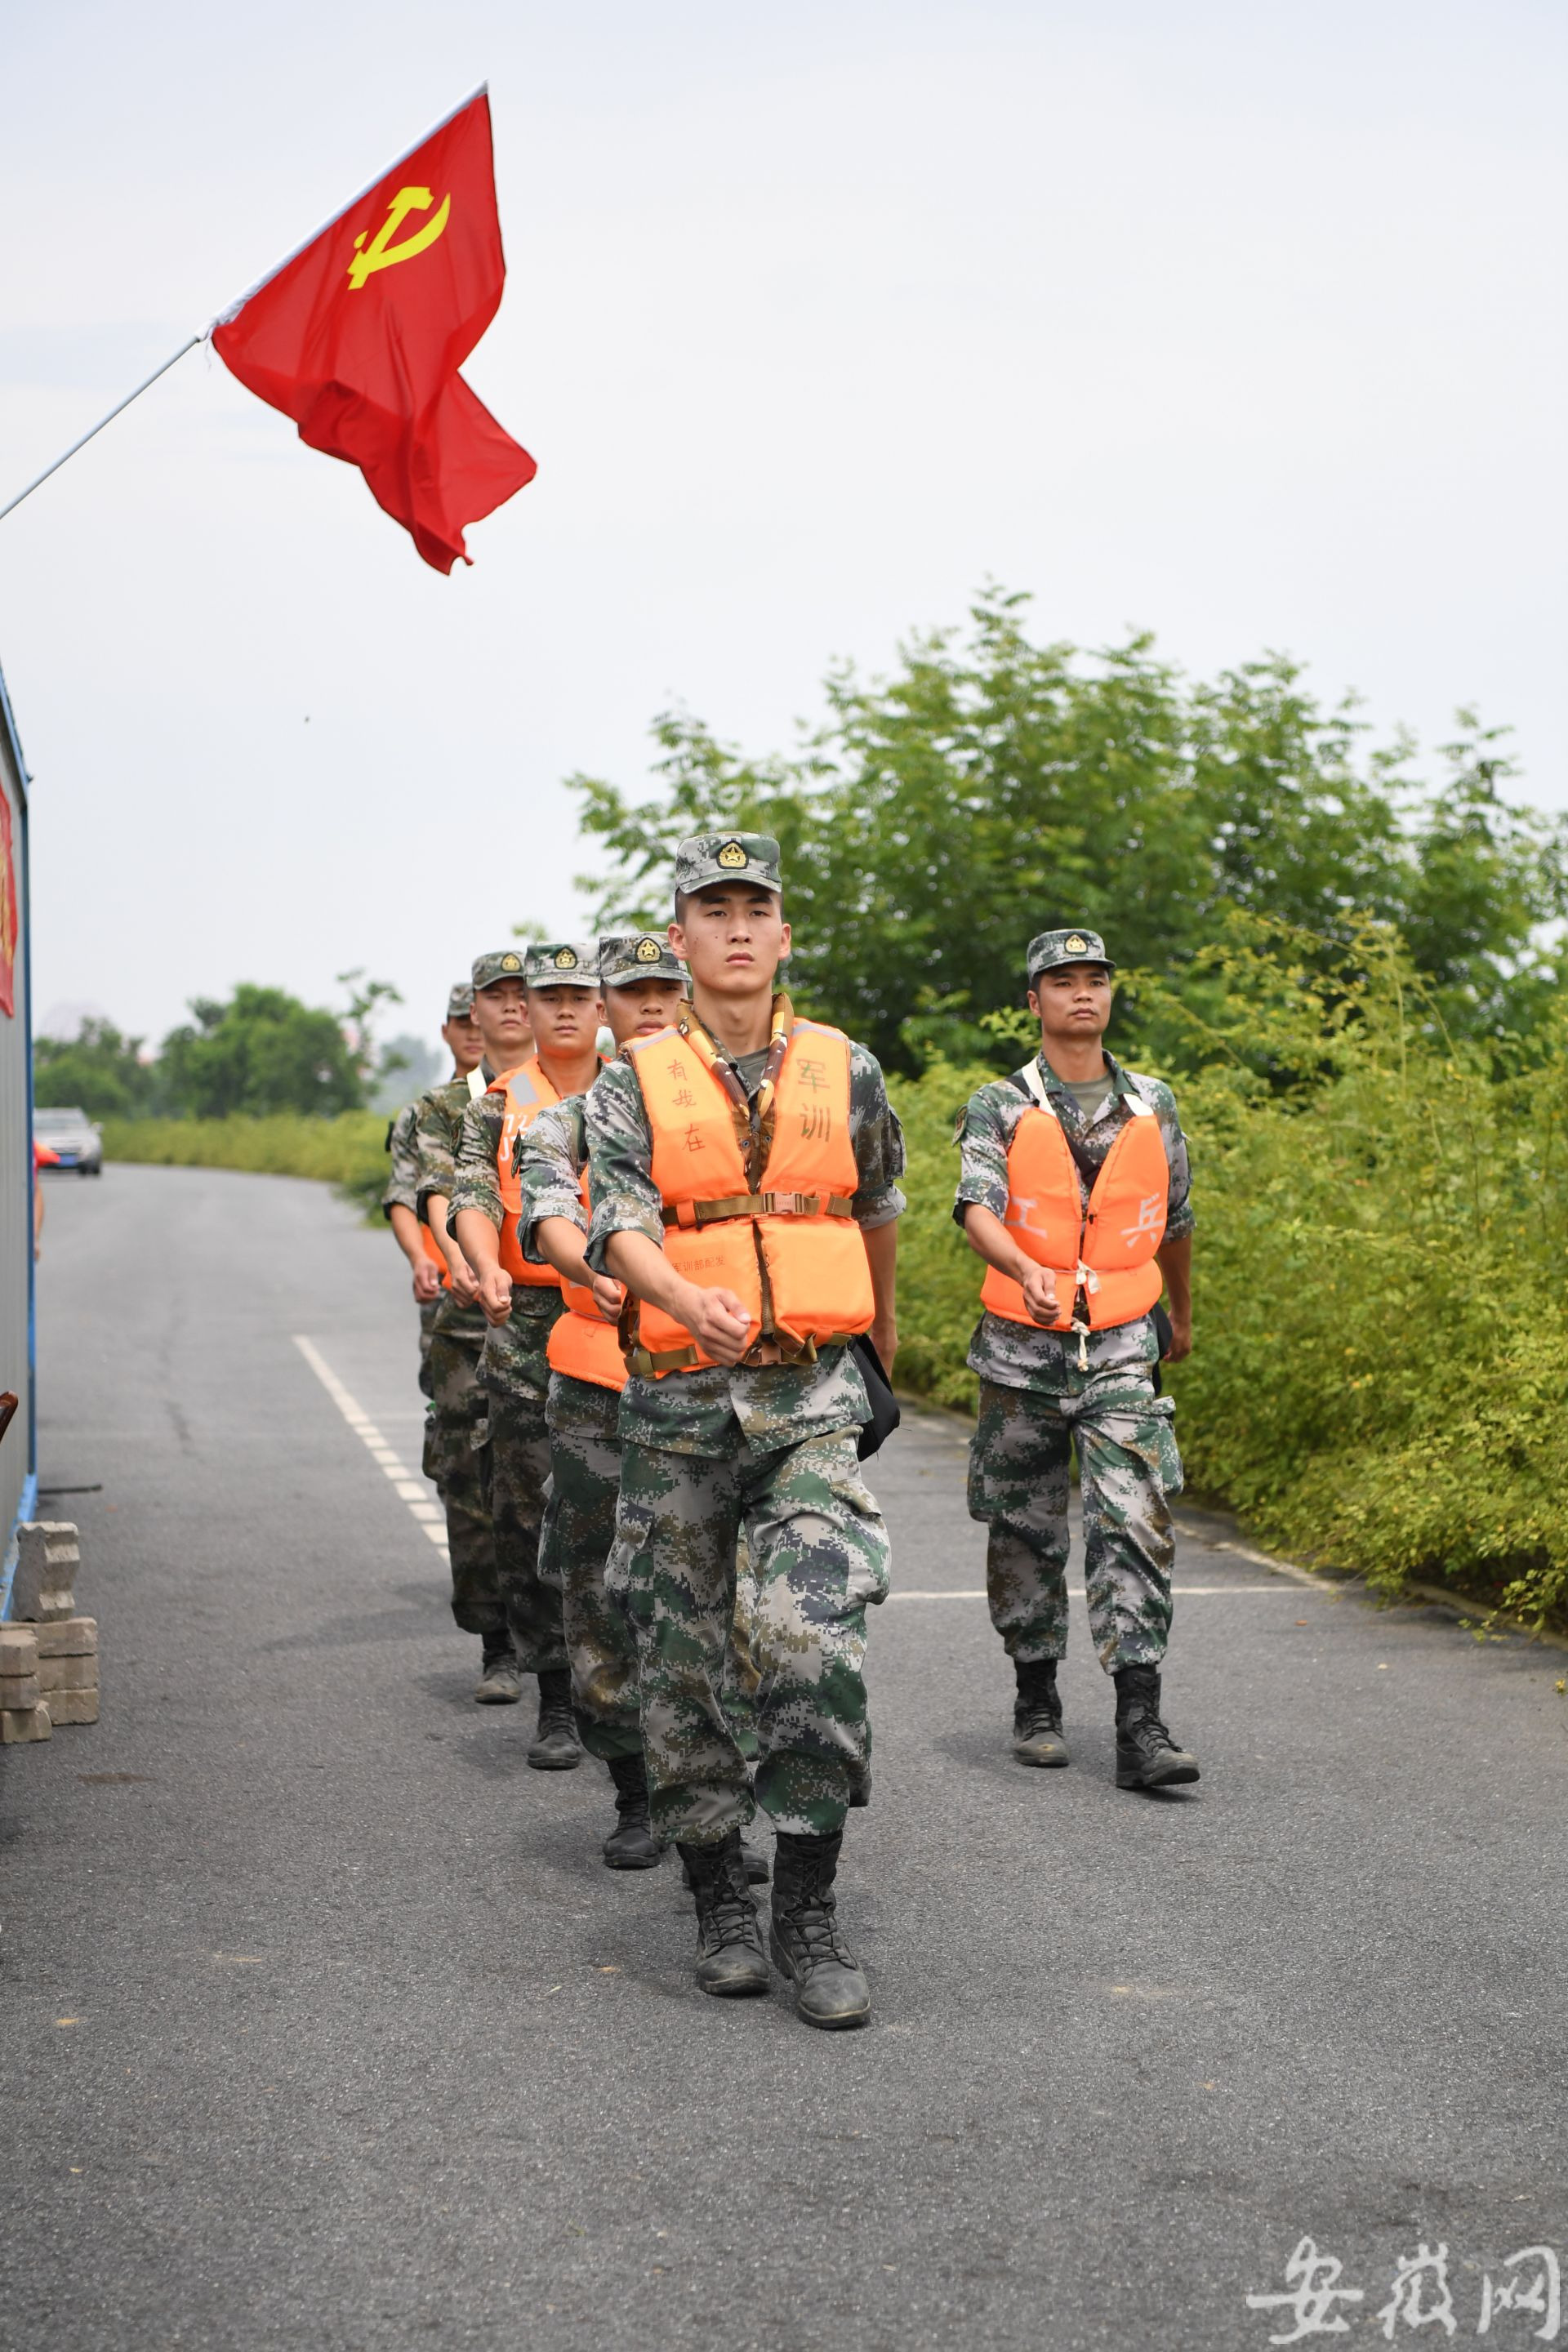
x,y
102,421
480,91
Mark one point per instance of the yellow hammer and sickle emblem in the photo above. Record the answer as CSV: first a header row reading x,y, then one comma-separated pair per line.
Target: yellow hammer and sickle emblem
x,y
380,253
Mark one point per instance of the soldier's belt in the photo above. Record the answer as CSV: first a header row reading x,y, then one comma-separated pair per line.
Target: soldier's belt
x,y
689,1214
647,1363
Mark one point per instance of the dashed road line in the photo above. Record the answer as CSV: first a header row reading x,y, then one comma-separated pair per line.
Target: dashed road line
x,y
409,1489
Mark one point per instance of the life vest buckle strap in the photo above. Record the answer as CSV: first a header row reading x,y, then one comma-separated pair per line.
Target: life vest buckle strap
x,y
690,1216
646,1365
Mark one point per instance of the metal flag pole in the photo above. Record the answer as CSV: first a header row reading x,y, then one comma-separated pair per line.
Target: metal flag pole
x,y
234,307
102,421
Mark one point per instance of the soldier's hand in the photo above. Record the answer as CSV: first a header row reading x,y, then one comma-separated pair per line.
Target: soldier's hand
x,y
495,1294
427,1282
464,1283
609,1297
884,1338
1040,1294
1181,1339
719,1322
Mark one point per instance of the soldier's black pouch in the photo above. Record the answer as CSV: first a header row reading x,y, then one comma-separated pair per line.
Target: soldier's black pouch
x,y
884,1404
1164,1335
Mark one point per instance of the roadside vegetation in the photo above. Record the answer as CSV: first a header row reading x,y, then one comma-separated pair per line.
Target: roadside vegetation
x,y
348,1152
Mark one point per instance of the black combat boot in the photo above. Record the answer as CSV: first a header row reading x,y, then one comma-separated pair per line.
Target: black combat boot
x,y
829,1989
1146,1755
1037,1714
555,1747
499,1684
631,1845
729,1955
755,1858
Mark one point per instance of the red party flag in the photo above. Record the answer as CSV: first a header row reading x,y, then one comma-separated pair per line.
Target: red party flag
x,y
360,334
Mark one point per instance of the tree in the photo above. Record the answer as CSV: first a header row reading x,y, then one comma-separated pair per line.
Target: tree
x,y
263,1051
97,1068
373,1065
997,787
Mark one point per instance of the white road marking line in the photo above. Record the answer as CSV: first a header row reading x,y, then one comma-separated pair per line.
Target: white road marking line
x,y
1076,1592
415,1493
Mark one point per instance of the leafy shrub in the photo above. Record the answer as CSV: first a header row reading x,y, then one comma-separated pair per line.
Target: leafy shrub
x,y
348,1152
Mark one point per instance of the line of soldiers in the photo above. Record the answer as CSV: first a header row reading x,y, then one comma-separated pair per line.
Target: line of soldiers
x,y
646,1288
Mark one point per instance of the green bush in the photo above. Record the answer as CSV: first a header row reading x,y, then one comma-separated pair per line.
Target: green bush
x,y
1381,1363
348,1152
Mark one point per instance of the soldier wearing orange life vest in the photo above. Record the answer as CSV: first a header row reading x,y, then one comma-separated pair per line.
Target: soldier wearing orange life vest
x,y
1074,1189
645,991
456,1450
557,989
400,1201
744,1171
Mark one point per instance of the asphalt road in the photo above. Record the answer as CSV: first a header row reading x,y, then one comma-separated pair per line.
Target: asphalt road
x,y
324,2026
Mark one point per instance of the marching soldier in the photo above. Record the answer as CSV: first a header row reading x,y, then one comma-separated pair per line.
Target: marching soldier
x,y
400,1202
457,1443
645,988
556,992
1074,1191
744,1171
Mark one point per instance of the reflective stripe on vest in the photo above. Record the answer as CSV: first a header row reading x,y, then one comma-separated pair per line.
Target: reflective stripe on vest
x,y
801,1273
1106,1249
526,1092
582,1344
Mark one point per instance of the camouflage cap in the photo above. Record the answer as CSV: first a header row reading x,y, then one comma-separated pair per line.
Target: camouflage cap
x,y
1050,949
563,964
460,1001
625,957
710,858
502,963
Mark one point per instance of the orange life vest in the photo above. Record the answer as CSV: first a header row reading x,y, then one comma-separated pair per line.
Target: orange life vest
x,y
582,1344
791,1251
527,1091
1105,1249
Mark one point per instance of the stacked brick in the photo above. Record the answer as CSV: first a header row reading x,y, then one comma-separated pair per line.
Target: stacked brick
x,y
48,1655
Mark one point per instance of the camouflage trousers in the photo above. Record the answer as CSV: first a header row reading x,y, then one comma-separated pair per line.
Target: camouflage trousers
x,y
457,1459
518,1467
819,1552
428,1309
1130,1470
574,1555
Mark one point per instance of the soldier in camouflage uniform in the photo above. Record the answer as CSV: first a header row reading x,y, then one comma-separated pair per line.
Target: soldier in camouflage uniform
x,y
1043,1391
400,1201
643,991
559,989
457,1434
760,1440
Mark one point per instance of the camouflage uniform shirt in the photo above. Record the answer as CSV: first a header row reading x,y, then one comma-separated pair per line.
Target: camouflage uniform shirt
x,y
1019,1355
716,1410
515,1355
403,1176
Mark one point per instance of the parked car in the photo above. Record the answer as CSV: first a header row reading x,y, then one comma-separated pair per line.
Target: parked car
x,y
72,1139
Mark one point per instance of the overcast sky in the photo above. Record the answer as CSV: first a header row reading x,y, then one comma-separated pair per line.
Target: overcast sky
x,y
1243,324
